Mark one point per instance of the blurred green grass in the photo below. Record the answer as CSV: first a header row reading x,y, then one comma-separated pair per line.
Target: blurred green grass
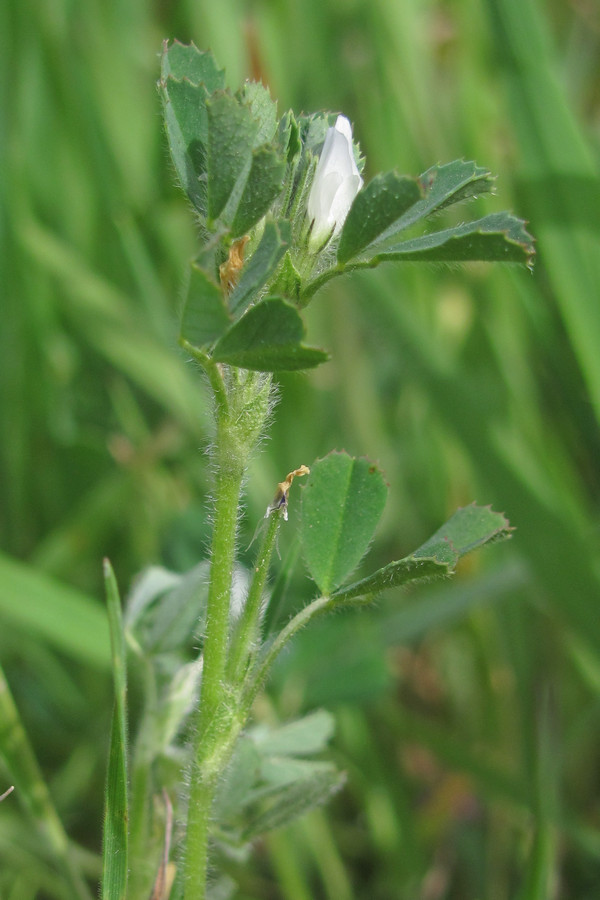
x,y
468,715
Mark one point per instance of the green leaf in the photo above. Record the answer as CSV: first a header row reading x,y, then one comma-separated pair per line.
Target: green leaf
x,y
499,237
197,66
452,183
342,503
470,527
165,610
115,834
240,776
263,108
231,133
440,186
188,77
320,781
268,338
263,184
381,203
204,318
261,265
300,738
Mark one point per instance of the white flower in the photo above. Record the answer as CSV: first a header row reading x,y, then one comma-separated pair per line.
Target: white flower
x,y
336,183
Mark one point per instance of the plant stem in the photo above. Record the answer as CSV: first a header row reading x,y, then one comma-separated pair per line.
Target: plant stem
x,y
318,606
248,624
241,408
213,689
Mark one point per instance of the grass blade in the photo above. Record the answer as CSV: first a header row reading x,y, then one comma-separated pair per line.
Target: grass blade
x,y
116,838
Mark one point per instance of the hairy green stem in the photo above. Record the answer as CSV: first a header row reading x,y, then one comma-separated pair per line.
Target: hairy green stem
x,y
213,689
249,621
242,401
318,606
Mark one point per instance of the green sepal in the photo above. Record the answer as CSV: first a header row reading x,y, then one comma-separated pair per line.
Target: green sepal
x,y
469,528
204,318
375,209
288,137
268,338
262,264
289,282
499,237
342,503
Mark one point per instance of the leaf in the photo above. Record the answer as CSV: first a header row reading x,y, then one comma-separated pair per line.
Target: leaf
x,y
197,66
204,318
441,186
499,237
381,203
342,503
240,776
115,834
451,183
261,265
470,527
263,108
231,133
166,610
296,799
268,338
188,77
300,738
264,183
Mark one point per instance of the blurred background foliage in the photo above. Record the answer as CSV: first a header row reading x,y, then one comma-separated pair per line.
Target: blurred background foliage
x,y
468,715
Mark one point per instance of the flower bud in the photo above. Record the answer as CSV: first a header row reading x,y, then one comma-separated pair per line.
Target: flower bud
x,y
336,183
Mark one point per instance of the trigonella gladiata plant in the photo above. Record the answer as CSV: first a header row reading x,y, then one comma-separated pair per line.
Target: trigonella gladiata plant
x,y
282,208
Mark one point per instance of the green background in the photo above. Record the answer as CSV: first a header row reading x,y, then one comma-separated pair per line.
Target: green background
x,y
468,714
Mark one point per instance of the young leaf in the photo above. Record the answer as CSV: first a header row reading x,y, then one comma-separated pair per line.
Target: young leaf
x,y
268,338
231,133
263,108
204,318
469,528
381,203
115,836
261,265
196,66
499,237
341,505
188,77
263,184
